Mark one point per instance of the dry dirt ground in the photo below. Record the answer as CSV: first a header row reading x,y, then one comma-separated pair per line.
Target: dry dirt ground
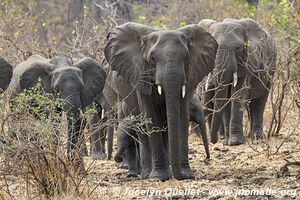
x,y
248,171
232,173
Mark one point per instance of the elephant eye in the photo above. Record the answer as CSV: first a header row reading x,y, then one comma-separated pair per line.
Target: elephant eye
x,y
152,60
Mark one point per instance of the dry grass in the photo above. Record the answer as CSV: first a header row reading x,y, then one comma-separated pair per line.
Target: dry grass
x,y
255,165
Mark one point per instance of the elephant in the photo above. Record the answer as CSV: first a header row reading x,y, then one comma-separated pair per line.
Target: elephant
x,y
245,64
6,72
207,95
164,67
98,136
128,144
128,140
76,84
197,116
115,91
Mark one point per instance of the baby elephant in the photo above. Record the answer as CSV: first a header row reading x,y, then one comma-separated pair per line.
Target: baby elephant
x,y
128,145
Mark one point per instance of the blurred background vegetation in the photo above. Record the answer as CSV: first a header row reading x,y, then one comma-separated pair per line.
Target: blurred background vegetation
x,y
79,27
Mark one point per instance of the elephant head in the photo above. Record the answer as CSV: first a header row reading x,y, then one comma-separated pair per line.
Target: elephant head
x,y
76,84
241,45
170,63
6,72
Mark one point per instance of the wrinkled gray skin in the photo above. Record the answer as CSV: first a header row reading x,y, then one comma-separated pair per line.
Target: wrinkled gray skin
x,y
207,97
249,51
128,105
165,67
98,136
115,91
104,104
128,145
197,116
77,84
128,140
6,72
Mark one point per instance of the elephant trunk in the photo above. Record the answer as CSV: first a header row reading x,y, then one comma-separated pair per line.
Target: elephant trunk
x,y
72,107
174,89
72,103
227,67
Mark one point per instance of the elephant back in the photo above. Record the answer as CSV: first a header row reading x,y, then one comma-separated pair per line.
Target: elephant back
x,y
14,87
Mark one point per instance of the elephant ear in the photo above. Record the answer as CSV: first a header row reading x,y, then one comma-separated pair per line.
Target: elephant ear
x,y
253,28
256,35
37,71
203,48
93,78
123,52
6,72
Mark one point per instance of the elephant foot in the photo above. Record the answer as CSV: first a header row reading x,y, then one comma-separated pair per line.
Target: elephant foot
x,y
145,173
225,142
221,135
160,174
187,173
132,174
257,135
235,140
123,165
118,158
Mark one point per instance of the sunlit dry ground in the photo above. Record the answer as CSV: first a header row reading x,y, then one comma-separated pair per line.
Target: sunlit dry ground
x,y
235,170
231,173
231,168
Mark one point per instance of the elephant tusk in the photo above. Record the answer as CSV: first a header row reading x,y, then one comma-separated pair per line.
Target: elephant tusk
x,y
102,114
159,89
235,79
183,91
207,82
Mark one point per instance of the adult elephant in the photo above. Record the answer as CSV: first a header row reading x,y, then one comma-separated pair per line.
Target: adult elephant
x,y
77,84
246,56
165,67
6,72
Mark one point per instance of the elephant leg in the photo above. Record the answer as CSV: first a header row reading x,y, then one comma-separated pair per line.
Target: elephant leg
x,y
257,108
222,130
236,136
83,150
97,136
110,139
225,122
186,170
160,163
145,156
127,142
132,156
123,142
159,148
73,146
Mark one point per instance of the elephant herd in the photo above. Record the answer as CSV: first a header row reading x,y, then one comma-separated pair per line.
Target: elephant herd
x,y
156,73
